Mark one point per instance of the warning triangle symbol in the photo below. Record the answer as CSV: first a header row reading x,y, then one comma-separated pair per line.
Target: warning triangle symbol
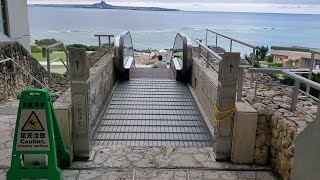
x,y
33,123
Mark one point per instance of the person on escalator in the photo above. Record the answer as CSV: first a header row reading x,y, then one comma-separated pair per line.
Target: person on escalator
x,y
160,63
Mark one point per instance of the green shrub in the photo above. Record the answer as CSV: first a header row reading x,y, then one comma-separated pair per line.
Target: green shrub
x,y
92,48
88,48
45,42
275,65
35,49
55,75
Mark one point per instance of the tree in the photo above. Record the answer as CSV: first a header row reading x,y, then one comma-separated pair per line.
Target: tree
x,y
261,53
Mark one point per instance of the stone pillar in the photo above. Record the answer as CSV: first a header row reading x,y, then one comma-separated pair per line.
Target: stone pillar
x,y
79,75
226,97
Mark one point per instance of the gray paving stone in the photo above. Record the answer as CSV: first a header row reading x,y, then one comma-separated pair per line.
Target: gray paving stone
x,y
117,175
89,175
227,175
2,174
70,174
265,176
161,174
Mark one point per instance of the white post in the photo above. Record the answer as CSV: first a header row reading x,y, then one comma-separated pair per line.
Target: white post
x,y
310,71
225,105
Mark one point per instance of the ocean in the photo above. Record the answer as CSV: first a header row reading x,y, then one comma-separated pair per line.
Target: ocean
x,y
157,29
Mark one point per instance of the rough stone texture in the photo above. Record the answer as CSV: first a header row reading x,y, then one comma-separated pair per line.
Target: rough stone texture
x,y
7,125
12,83
157,157
160,174
102,78
204,82
277,126
98,54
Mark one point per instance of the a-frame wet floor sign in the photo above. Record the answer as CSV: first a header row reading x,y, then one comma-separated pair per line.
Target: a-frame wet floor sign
x,y
38,149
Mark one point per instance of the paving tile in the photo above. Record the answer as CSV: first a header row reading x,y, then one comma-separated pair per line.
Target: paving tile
x,y
70,174
117,175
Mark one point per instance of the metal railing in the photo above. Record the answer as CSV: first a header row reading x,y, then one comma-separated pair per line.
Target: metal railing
x,y
301,49
209,55
212,58
46,53
242,67
296,88
14,64
104,35
231,42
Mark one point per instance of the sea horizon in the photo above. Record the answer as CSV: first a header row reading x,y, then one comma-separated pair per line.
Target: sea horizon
x,y
30,5
157,29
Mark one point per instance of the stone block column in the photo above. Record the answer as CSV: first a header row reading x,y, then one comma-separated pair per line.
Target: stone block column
x,y
79,75
225,105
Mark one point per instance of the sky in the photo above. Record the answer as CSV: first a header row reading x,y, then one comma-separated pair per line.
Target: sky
x,y
268,6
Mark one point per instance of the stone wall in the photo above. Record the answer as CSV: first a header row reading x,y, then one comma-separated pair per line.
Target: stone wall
x,y
277,126
11,83
204,81
101,83
102,78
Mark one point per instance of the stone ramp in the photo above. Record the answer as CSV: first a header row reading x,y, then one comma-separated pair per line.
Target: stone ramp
x,y
152,113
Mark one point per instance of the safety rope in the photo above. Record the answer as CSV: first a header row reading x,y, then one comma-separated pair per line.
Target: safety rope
x,y
227,112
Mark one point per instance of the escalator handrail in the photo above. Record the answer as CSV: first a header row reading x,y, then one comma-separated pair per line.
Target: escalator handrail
x,y
119,50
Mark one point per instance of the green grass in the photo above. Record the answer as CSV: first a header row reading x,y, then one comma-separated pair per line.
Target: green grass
x,y
54,55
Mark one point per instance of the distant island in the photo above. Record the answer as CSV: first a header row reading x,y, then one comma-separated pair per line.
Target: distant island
x,y
104,5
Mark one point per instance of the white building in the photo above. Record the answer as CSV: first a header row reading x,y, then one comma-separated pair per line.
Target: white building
x,y
15,22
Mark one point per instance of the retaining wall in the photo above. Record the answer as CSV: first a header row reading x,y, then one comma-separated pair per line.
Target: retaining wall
x,y
12,83
277,127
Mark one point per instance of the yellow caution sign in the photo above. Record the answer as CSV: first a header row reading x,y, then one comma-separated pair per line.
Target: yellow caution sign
x,y
33,123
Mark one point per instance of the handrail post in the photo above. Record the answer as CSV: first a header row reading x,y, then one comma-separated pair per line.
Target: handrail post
x,y
230,45
251,80
310,71
67,59
240,84
216,42
207,62
255,91
318,110
207,38
199,52
295,95
254,56
48,66
109,39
